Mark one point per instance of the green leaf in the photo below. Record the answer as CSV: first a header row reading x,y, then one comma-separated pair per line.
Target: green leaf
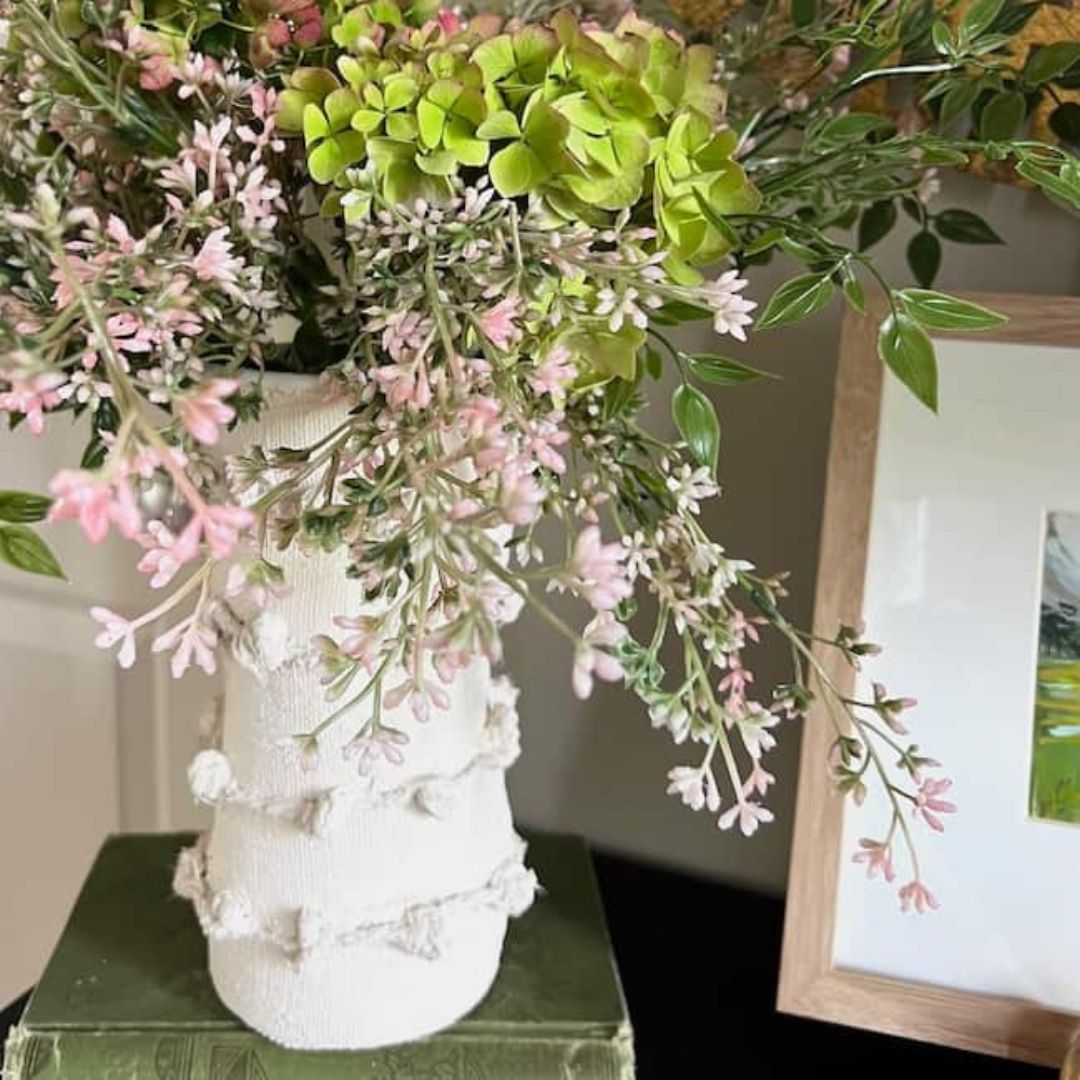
x,y
22,507
438,163
964,227
941,35
723,371
696,421
340,106
958,101
1065,122
852,126
1002,115
853,290
803,12
979,17
1048,62
25,550
1063,185
909,353
797,299
654,363
517,170
675,312
325,162
924,257
495,58
400,92
316,126
939,311
431,119
876,223
500,125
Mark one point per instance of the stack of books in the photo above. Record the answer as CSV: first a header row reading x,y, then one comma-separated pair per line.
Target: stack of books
x,y
126,995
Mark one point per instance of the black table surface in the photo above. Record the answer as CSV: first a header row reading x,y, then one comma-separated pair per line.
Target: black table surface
x,y
699,962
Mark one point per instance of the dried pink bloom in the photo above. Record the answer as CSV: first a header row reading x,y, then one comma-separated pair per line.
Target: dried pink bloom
x,y
203,411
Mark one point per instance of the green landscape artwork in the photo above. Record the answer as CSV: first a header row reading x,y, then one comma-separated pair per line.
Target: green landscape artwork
x,y
1055,761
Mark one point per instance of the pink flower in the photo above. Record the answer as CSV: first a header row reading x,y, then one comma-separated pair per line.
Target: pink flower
x,y
115,629
406,334
592,657
222,526
203,411
30,397
929,805
405,385
215,260
916,895
889,709
598,570
189,640
554,374
166,553
748,814
297,22
498,326
129,334
157,72
731,312
82,496
541,441
520,496
449,21
877,857
367,748
363,644
696,787
72,267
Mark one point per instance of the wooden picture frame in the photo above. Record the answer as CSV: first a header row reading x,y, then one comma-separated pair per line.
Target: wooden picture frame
x,y
810,985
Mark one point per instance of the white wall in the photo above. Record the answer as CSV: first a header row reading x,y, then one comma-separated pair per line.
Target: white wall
x,y
595,768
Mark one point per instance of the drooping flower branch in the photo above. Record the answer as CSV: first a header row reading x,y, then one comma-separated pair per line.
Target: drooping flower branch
x,y
477,232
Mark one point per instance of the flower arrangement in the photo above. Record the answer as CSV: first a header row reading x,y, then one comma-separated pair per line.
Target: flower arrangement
x,y
477,229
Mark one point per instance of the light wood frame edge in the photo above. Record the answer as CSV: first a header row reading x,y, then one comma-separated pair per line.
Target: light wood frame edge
x,y
809,983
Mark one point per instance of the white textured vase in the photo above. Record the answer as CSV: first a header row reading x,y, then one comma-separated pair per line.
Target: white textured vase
x,y
345,912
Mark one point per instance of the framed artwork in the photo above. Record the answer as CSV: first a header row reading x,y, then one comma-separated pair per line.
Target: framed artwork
x,y
956,538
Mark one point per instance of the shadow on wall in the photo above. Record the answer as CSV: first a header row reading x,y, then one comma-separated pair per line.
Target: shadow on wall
x,y
597,767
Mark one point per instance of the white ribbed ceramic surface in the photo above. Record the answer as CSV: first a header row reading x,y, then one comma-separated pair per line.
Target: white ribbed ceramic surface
x,y
375,865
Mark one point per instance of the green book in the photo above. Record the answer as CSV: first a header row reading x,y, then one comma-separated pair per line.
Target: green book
x,y
126,995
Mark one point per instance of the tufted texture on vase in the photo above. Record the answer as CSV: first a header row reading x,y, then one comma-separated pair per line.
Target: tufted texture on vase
x,y
346,912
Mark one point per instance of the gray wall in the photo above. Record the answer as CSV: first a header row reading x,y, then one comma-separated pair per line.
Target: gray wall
x,y
596,767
